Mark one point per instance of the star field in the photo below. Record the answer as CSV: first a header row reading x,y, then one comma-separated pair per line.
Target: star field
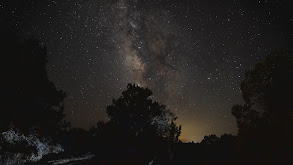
x,y
191,54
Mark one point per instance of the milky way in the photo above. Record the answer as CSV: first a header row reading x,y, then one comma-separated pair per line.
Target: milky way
x,y
142,42
191,53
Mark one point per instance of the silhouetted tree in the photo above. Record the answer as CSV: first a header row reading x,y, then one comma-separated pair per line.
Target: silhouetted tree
x,y
136,112
28,98
227,139
264,121
138,127
210,139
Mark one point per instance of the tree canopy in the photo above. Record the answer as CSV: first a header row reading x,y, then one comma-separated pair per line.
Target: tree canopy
x,y
135,111
267,91
28,98
138,126
265,122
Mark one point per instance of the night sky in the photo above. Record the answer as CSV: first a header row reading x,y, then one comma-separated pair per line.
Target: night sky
x,y
191,53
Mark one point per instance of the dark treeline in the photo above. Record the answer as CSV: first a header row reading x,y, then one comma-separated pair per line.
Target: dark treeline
x,y
140,130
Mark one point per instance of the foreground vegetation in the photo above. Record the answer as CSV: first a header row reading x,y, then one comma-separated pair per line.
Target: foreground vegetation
x,y
140,130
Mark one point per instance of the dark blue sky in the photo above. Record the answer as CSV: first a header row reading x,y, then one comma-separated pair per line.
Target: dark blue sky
x,y
192,53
